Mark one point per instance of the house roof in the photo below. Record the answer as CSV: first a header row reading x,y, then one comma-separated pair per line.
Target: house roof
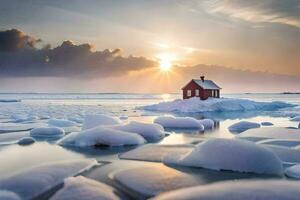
x,y
207,84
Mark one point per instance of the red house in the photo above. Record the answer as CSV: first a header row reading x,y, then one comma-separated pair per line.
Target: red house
x,y
201,88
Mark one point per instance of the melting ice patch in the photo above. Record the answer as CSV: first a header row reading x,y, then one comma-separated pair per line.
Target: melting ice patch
x,y
215,105
47,133
246,190
230,154
91,121
179,122
242,126
61,123
272,132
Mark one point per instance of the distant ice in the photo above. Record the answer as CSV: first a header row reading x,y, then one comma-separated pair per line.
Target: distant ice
x,y
230,154
293,172
272,132
47,133
91,121
61,123
26,141
101,136
215,105
23,118
179,122
32,182
238,190
148,131
79,188
267,124
242,126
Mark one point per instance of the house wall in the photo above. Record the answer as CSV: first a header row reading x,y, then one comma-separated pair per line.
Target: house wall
x,y
203,94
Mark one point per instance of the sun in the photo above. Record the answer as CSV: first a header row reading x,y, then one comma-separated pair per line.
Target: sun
x,y
166,62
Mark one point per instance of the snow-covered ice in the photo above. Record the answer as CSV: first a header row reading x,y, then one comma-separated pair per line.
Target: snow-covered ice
x,y
47,133
79,188
272,132
267,124
242,126
230,154
91,121
179,122
148,131
293,171
99,136
61,123
32,182
238,190
215,105
26,141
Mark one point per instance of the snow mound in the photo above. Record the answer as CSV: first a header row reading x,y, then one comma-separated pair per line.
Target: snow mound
x,y
267,124
215,105
293,172
26,141
295,119
179,122
47,133
32,182
242,126
61,123
272,132
7,195
78,188
148,131
238,190
230,154
91,121
99,136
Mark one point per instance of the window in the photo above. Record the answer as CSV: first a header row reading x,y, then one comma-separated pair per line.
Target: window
x,y
197,93
212,93
189,93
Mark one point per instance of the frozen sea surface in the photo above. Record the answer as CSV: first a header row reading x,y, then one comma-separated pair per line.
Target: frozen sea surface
x,y
136,172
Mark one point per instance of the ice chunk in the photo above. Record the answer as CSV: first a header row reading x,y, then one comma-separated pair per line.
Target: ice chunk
x,y
267,124
102,136
34,181
230,154
215,105
26,141
272,132
293,171
242,126
7,195
91,121
47,133
296,119
61,123
179,122
155,153
285,154
79,188
246,190
207,123
280,142
148,131
11,138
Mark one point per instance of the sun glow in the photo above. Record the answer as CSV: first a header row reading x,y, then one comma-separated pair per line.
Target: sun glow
x,y
166,61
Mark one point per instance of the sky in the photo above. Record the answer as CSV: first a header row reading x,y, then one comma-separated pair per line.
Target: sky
x,y
109,46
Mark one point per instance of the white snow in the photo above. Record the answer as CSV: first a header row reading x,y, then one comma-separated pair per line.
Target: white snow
x,y
102,136
179,122
61,123
7,195
238,190
148,131
272,132
267,124
47,133
26,141
230,154
79,188
37,180
242,126
295,119
215,105
91,121
293,172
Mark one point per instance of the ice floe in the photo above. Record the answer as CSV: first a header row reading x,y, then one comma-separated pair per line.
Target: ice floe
x,y
79,188
13,137
91,121
47,133
32,182
179,122
267,124
230,154
272,132
243,190
61,123
101,136
26,141
293,171
215,105
242,126
148,131
295,119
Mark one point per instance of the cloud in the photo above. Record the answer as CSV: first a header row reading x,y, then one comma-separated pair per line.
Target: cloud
x,y
270,11
19,56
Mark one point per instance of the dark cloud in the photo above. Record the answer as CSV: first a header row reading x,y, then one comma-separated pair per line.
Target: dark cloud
x,y
20,57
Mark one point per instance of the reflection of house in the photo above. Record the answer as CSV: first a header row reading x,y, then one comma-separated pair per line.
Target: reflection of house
x,y
201,88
